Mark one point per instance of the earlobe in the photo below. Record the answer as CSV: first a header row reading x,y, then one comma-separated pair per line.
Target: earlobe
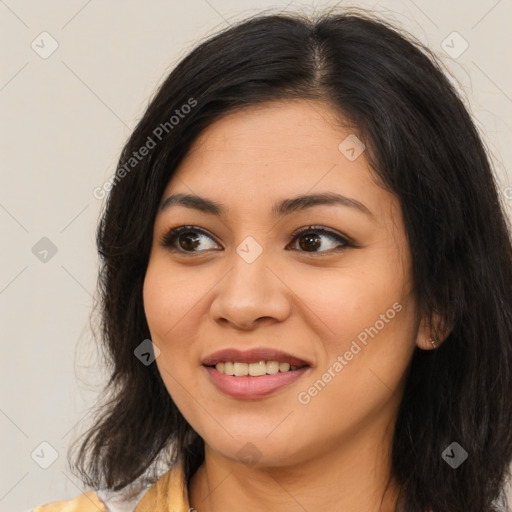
x,y
427,342
431,333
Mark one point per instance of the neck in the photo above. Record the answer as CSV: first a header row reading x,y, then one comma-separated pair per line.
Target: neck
x,y
352,477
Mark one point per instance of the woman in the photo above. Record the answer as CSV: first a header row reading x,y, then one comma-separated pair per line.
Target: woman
x,y
305,285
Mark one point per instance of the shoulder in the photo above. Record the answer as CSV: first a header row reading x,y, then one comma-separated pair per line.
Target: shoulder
x,y
85,502
169,492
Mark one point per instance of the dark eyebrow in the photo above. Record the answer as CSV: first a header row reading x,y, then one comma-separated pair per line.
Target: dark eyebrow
x,y
281,208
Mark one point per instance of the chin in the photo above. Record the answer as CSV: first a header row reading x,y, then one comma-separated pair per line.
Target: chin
x,y
259,452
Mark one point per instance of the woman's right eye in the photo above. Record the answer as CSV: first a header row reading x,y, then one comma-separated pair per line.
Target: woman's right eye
x,y
186,239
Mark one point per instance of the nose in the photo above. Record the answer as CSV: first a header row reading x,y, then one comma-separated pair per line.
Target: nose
x,y
251,294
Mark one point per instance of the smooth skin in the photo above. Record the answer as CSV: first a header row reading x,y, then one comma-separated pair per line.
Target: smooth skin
x,y
308,297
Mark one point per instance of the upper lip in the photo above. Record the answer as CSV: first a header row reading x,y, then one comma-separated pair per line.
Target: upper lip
x,y
253,356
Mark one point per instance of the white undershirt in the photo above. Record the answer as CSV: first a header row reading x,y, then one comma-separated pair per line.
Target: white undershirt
x,y
116,502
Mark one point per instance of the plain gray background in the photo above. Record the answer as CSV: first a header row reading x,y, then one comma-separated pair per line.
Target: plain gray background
x,y
64,118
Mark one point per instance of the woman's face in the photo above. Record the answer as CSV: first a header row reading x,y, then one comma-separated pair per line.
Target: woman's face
x,y
336,296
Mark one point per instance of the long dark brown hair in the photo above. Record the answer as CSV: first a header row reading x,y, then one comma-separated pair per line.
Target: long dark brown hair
x,y
423,146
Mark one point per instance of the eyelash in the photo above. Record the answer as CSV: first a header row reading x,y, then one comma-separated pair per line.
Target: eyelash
x,y
172,235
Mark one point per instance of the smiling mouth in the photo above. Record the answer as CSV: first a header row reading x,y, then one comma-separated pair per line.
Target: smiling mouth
x,y
257,369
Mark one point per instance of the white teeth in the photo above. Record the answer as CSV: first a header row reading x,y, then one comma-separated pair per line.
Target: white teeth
x,y
284,367
272,367
253,369
257,369
240,369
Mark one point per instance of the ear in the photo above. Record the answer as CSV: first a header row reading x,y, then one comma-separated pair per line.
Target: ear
x,y
432,332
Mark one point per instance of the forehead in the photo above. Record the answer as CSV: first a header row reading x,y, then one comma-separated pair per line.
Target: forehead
x,y
281,149
294,134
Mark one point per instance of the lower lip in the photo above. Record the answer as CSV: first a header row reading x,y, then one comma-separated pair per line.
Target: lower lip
x,y
253,387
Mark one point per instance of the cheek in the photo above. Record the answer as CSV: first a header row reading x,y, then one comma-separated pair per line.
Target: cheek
x,y
367,342
343,302
364,314
170,297
172,304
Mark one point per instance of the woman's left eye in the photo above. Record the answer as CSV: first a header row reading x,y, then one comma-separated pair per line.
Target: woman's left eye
x,y
311,238
187,239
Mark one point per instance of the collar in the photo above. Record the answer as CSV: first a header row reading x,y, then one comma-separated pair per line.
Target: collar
x,y
169,492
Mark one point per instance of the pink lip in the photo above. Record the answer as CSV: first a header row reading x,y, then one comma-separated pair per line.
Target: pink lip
x,y
253,356
253,387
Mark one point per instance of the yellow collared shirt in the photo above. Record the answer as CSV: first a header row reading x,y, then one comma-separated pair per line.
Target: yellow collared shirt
x,y
168,494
